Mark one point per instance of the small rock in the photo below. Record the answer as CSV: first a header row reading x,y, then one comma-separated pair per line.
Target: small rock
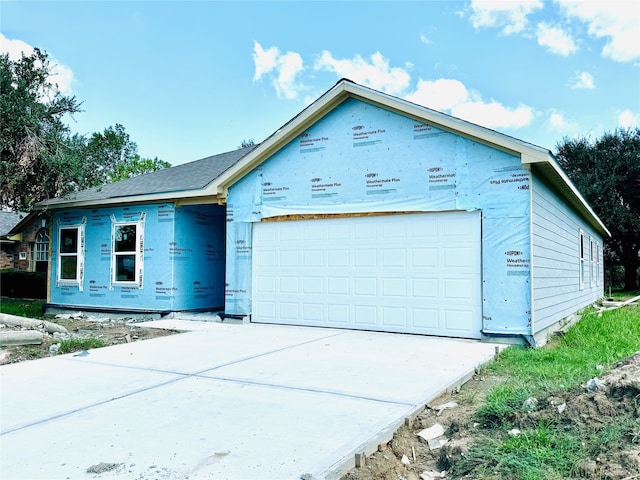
x,y
432,475
53,349
405,460
514,432
562,407
436,443
444,406
595,384
530,404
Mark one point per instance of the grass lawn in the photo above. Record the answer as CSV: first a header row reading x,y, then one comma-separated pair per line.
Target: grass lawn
x,y
552,447
22,308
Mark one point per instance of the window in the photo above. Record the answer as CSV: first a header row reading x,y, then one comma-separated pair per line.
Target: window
x,y
71,254
42,245
582,263
592,263
597,263
127,253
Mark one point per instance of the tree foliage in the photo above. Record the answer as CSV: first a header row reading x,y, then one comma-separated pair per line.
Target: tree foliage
x,y
607,173
40,157
33,158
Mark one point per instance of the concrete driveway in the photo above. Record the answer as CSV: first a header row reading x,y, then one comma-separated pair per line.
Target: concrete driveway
x,y
226,402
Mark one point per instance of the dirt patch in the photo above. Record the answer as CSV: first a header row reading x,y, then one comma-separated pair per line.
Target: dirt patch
x,y
594,414
111,332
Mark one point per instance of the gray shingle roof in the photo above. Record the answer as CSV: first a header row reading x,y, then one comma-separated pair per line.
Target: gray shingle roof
x,y
8,220
188,176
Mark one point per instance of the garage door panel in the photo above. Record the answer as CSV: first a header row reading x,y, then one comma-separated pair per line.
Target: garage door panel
x,y
313,285
365,257
400,273
289,285
425,288
461,257
365,315
394,287
394,257
424,257
338,314
338,258
365,286
338,285
393,317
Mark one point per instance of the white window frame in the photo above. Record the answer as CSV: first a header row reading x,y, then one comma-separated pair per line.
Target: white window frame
x,y
138,253
581,265
598,263
79,254
592,262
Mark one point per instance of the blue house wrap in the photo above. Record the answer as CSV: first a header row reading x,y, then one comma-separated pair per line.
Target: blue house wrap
x,y
364,211
179,255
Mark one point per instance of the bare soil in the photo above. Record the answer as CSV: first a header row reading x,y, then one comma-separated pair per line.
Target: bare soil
x,y
617,402
111,332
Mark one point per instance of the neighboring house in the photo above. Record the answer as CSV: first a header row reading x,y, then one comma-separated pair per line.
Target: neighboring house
x,y
25,241
364,211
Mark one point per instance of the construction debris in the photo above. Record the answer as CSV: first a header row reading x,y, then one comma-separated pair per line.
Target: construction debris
x,y
15,321
24,337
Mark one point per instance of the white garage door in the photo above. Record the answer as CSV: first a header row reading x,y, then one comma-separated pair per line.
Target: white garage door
x,y
416,273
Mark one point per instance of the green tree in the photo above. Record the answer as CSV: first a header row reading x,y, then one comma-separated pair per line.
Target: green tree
x,y
40,158
36,160
135,166
607,173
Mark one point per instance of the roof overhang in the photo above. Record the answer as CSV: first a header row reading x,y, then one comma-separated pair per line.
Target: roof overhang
x,y
181,197
547,169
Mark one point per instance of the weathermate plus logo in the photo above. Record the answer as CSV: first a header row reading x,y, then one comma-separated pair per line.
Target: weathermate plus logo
x,y
371,175
434,169
357,127
316,180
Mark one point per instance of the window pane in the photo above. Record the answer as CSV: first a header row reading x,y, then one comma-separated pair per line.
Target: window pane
x,y
125,268
125,240
69,240
68,267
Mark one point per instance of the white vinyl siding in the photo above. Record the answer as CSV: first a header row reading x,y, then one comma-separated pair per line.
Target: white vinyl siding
x,y
561,283
416,273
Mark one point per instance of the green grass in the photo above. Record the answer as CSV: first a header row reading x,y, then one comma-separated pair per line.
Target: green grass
x,y
22,308
78,344
551,450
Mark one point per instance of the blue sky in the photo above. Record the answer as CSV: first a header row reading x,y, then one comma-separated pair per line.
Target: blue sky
x,y
192,79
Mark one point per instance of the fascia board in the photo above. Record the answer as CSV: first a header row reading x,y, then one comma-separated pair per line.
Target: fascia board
x,y
198,196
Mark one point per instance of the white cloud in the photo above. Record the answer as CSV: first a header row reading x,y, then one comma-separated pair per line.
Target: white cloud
x,y
616,21
282,68
493,114
451,96
376,74
583,80
442,94
555,39
511,16
424,39
59,74
560,125
628,119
